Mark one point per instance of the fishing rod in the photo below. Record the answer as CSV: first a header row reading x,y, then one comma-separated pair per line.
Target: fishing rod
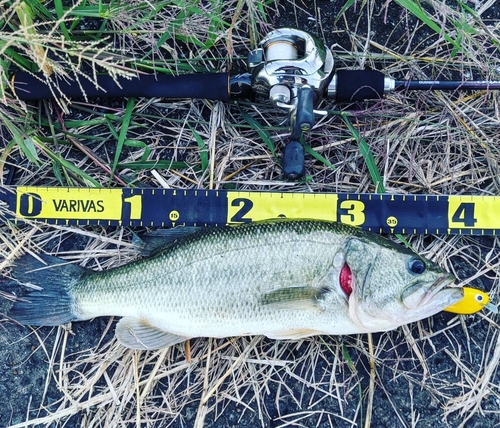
x,y
291,69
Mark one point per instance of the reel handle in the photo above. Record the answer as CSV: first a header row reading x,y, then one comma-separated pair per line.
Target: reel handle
x,y
302,119
304,116
294,160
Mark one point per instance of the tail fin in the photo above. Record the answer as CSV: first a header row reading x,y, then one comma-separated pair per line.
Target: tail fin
x,y
55,303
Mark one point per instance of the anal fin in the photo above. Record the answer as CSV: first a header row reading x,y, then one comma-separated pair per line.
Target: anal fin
x,y
137,333
293,333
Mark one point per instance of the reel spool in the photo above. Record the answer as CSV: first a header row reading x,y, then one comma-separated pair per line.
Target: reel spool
x,y
281,49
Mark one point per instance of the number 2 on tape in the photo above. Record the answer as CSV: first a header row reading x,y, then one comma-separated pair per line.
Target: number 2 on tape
x,y
244,207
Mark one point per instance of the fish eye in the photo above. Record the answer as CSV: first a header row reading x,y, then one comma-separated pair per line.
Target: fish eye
x,y
479,298
416,265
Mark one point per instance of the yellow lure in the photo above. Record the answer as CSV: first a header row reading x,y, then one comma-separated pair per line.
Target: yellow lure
x,y
474,300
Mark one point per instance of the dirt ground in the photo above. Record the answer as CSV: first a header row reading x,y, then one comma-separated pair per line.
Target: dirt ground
x,y
439,372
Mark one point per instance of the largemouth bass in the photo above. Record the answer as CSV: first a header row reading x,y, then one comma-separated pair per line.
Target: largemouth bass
x,y
284,279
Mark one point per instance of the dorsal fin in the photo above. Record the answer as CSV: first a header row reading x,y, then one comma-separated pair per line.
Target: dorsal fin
x,y
155,240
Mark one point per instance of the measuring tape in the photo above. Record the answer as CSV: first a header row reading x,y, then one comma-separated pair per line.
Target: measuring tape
x,y
380,213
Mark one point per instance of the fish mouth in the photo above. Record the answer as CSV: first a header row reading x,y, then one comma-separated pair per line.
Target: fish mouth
x,y
442,284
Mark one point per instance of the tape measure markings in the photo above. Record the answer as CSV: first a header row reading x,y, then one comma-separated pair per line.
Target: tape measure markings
x,y
474,212
382,213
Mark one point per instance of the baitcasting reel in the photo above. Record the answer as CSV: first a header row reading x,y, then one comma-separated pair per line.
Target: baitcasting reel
x,y
293,70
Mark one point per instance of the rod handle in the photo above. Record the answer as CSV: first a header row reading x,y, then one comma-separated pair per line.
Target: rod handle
x,y
212,86
359,85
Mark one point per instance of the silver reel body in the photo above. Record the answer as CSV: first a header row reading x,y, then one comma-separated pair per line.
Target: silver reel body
x,y
287,61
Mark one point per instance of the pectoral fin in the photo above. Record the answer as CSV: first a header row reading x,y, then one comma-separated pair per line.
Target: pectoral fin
x,y
299,298
137,333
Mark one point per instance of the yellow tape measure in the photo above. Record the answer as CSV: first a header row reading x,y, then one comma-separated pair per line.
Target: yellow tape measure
x,y
380,213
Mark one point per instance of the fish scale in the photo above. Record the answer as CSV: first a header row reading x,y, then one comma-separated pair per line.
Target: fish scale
x,y
277,278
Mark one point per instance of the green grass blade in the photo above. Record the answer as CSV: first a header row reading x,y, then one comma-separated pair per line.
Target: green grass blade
x,y
57,170
21,139
263,134
19,60
40,10
60,13
123,134
139,144
364,148
416,9
65,164
29,150
343,10
317,156
203,149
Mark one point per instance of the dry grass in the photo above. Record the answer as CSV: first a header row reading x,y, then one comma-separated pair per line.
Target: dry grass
x,y
430,142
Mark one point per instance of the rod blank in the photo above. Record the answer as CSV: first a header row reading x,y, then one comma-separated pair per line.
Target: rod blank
x,y
446,85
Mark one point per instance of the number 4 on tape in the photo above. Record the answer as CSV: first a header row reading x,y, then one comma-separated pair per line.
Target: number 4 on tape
x,y
473,212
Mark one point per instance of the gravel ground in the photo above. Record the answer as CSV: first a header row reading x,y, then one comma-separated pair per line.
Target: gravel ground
x,y
417,379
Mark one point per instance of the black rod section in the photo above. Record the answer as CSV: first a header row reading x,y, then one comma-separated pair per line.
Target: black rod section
x,y
212,86
359,85
446,85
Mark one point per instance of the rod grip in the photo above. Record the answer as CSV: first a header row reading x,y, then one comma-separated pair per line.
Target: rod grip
x,y
359,85
212,86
